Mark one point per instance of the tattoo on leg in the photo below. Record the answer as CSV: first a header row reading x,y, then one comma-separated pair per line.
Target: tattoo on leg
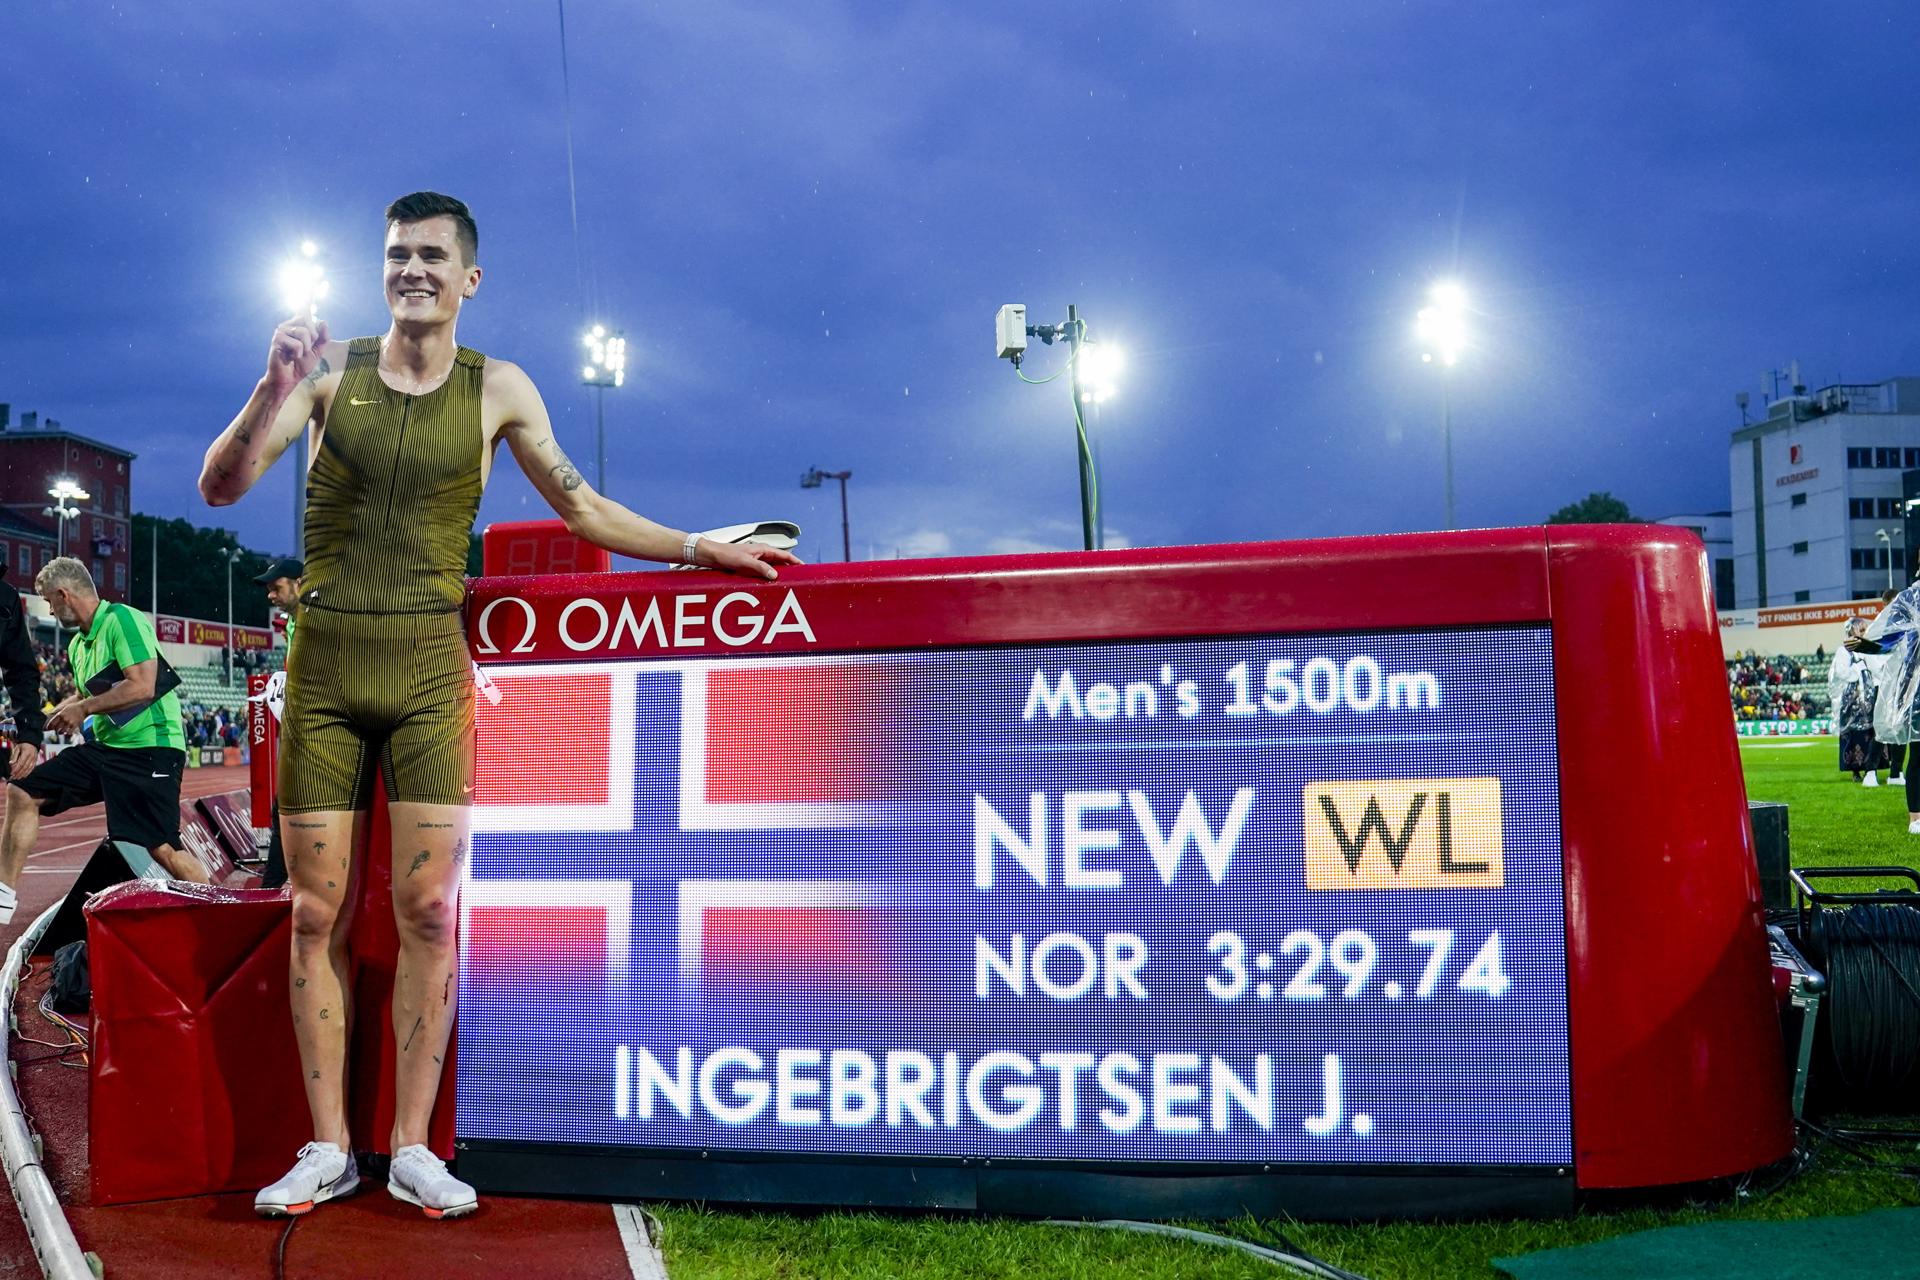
x,y
447,991
316,1075
417,1024
306,826
323,1015
419,860
318,845
434,826
299,982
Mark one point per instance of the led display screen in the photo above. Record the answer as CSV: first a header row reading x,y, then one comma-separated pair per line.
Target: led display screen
x,y
1251,900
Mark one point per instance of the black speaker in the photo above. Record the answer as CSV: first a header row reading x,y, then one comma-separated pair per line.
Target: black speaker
x,y
1770,844
112,862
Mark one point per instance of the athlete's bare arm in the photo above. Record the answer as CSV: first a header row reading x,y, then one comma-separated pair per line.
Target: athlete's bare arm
x,y
514,403
303,368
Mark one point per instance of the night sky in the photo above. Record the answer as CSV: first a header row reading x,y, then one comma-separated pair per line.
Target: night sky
x,y
805,217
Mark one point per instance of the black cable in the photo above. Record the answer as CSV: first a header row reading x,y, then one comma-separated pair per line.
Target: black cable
x,y
1871,955
280,1250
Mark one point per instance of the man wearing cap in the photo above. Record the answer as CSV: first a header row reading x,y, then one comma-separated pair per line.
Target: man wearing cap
x,y
282,581
21,671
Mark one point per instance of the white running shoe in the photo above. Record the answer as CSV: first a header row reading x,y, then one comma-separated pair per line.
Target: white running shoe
x,y
1896,779
7,903
323,1172
1871,780
1913,828
420,1177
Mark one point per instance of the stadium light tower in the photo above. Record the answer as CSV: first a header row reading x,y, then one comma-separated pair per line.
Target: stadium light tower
x,y
64,491
606,367
303,286
1092,371
812,480
1442,329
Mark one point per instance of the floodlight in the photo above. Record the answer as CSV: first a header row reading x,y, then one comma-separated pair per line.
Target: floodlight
x,y
303,281
1442,326
1099,369
607,354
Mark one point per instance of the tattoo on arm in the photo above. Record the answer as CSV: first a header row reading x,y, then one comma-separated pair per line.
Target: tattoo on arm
x,y
320,371
564,471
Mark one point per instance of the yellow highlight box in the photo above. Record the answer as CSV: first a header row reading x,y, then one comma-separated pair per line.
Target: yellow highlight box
x,y
1420,833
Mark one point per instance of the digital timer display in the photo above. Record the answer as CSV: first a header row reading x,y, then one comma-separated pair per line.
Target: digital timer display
x,y
1259,900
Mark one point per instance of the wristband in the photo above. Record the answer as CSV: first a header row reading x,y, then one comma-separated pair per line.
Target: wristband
x,y
690,549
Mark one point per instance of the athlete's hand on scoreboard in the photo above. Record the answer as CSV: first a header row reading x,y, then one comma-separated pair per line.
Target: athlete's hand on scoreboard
x,y
295,352
750,559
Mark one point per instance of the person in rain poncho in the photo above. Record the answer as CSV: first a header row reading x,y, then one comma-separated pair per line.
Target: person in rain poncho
x,y
1895,637
1851,683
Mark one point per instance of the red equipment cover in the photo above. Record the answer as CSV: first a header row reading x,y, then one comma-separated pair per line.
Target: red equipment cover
x,y
195,1081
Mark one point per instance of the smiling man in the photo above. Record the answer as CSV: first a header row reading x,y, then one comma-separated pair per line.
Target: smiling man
x,y
404,431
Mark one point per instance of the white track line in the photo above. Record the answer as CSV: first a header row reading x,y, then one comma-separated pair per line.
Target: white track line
x,y
643,1256
62,848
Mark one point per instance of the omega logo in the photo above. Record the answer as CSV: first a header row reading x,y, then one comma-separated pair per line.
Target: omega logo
x,y
736,619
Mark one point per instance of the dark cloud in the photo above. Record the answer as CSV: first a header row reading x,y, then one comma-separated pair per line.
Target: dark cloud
x,y
806,216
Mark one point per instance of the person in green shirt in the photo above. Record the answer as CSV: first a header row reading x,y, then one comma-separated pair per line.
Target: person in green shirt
x,y
136,753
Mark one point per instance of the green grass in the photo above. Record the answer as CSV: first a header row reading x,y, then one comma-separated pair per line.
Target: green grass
x,y
1833,821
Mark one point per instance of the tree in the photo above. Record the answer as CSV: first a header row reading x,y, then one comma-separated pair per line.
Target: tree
x,y
193,572
1595,508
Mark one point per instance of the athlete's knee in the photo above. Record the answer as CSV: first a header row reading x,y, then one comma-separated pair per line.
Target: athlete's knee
x,y
428,918
314,917
19,801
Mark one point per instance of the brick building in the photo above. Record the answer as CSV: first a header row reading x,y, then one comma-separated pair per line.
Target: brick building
x,y
33,454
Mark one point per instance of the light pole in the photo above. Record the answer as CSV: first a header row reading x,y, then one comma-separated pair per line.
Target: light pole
x,y
1887,540
1442,328
233,555
1090,369
606,367
64,492
812,480
303,284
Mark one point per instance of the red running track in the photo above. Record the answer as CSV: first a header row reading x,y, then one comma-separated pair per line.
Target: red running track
x,y
370,1235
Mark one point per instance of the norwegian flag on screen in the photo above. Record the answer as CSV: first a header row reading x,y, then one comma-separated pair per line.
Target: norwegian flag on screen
x,y
769,759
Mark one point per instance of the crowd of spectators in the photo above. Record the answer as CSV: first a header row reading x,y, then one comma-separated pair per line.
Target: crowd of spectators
x,y
206,727
1780,687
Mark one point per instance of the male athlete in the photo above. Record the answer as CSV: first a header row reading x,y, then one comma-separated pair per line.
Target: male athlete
x,y
404,429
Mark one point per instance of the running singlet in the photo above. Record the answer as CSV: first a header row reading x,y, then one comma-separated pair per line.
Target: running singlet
x,y
394,490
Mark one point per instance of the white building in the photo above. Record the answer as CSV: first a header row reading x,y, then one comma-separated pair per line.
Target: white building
x,y
1715,528
1815,484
